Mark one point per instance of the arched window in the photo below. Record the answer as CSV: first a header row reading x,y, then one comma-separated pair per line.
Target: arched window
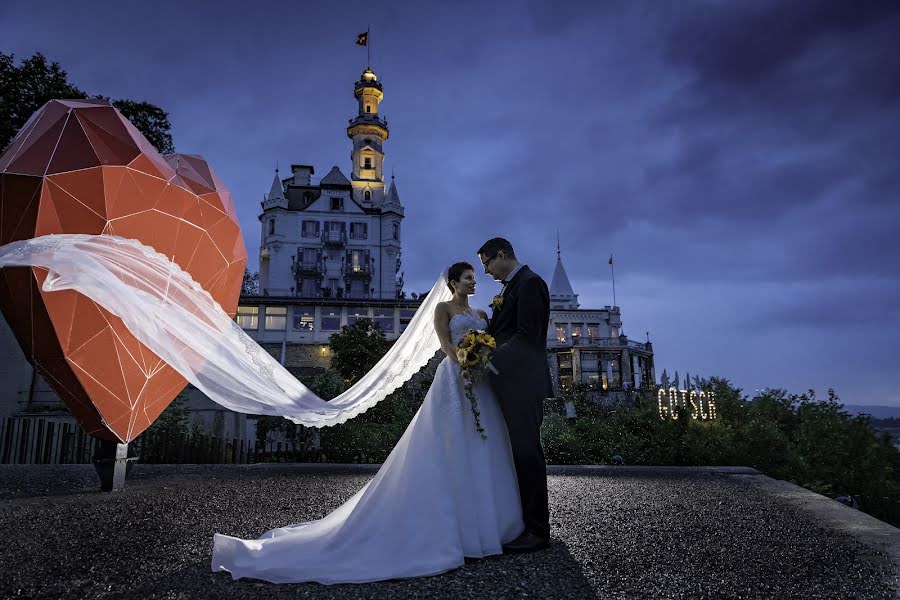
x,y
367,195
271,226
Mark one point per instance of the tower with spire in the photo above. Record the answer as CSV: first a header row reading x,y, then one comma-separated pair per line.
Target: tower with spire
x,y
561,294
339,238
588,345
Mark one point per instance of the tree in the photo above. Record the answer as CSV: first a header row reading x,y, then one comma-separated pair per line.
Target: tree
x,y
250,287
150,120
28,86
356,348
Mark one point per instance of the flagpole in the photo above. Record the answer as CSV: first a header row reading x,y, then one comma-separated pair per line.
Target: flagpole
x,y
368,47
612,268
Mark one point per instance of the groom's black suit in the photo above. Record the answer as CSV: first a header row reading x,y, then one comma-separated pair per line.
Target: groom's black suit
x,y
520,328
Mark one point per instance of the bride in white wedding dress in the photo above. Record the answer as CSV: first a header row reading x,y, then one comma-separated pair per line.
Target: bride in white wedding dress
x,y
443,494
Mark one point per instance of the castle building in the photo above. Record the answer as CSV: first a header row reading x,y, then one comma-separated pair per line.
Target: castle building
x,y
589,345
340,238
330,252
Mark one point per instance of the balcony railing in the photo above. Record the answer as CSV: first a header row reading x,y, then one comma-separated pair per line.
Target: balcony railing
x,y
316,267
368,119
363,271
596,342
334,238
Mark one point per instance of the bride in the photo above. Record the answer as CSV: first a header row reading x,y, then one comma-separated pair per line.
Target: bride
x,y
443,494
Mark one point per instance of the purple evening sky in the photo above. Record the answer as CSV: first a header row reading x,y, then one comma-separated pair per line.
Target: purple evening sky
x,y
739,159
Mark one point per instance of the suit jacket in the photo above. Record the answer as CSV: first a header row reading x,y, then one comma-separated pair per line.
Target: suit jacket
x,y
520,328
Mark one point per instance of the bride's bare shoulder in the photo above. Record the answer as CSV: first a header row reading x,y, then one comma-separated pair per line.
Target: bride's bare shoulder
x,y
482,314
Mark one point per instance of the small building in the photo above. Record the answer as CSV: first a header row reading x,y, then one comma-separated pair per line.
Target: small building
x,y
589,345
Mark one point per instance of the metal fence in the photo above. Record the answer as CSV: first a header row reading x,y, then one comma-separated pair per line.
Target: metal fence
x,y
44,440
58,440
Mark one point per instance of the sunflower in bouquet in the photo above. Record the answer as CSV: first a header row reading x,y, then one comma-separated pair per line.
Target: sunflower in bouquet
x,y
474,356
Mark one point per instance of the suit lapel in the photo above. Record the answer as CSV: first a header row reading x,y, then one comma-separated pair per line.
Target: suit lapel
x,y
505,293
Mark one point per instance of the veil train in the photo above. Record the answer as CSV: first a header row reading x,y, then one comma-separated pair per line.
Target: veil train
x,y
172,315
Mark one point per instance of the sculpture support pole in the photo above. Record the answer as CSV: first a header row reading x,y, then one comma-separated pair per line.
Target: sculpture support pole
x,y
111,462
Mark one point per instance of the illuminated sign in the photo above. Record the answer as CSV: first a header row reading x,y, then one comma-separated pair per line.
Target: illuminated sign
x,y
701,404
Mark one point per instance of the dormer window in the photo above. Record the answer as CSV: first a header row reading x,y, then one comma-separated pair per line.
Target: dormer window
x,y
307,198
337,203
367,163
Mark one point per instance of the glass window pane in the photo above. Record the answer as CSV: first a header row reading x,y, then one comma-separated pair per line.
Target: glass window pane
x,y
304,319
248,317
406,315
276,318
384,318
356,313
331,319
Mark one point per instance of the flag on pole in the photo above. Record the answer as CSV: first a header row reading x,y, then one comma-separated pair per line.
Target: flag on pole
x,y
362,39
610,259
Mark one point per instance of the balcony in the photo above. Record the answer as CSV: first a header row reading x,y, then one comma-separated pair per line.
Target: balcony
x,y
307,269
592,342
368,119
363,271
334,239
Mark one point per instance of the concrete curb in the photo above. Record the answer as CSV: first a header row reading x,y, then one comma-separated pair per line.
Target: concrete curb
x,y
880,537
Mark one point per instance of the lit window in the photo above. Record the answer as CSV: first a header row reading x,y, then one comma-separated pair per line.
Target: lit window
x,y
614,332
593,330
561,333
304,319
248,317
276,318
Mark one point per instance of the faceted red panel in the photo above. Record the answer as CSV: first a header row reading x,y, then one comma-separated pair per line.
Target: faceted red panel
x,y
78,166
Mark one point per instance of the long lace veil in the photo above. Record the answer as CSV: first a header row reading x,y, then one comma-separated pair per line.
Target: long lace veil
x,y
167,311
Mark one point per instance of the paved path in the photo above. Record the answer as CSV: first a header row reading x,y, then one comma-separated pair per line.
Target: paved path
x,y
618,532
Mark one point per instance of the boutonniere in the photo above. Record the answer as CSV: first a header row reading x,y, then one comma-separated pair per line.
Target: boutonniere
x,y
497,302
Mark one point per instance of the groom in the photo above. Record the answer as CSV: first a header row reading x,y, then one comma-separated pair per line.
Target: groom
x,y
521,314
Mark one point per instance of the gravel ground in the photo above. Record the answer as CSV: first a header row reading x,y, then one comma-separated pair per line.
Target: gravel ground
x,y
617,533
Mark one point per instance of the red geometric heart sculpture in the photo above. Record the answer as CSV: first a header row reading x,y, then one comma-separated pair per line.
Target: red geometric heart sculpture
x,y
79,166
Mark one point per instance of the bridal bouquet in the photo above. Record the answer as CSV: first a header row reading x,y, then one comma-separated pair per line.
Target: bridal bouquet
x,y
474,357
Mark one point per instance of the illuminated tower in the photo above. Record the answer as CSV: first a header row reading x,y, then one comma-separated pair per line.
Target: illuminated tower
x,y
368,132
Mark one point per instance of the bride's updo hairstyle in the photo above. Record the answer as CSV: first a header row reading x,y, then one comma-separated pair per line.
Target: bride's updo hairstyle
x,y
454,273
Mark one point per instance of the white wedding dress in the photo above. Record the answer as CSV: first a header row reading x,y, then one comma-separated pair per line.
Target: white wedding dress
x,y
443,494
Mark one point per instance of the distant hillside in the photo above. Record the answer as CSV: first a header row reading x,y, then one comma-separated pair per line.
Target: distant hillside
x,y
878,412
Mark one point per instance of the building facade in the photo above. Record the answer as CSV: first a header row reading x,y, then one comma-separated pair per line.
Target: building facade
x,y
589,345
